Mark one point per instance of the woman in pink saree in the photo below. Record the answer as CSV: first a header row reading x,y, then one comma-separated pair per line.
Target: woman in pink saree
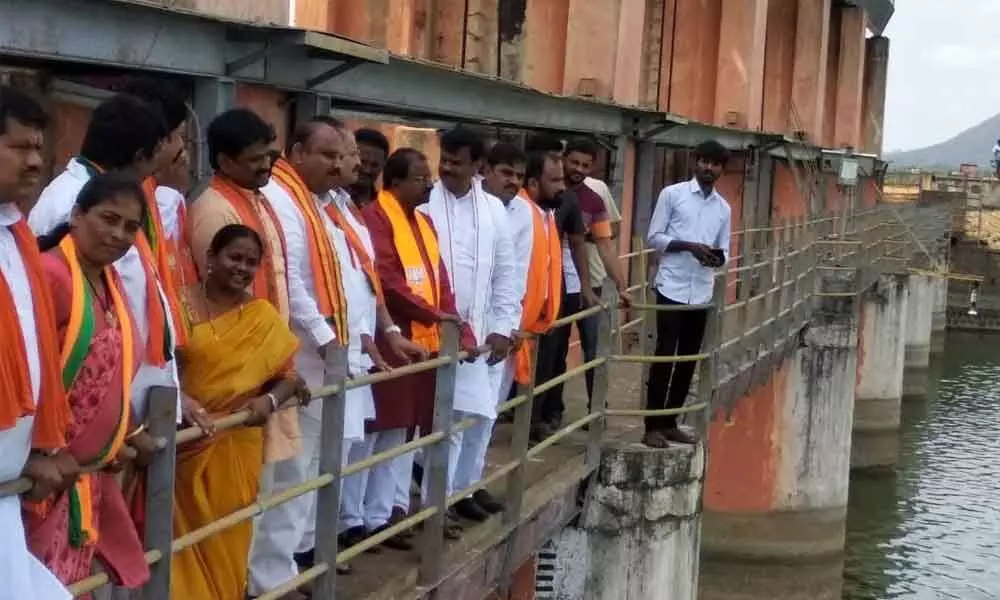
x,y
98,359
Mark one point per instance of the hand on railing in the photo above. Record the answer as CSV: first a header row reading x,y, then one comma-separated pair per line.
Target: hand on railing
x,y
588,298
499,347
194,414
50,475
146,447
368,347
624,298
404,349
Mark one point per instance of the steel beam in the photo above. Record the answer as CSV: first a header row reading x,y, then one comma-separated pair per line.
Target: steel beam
x,y
126,34
211,97
879,13
691,133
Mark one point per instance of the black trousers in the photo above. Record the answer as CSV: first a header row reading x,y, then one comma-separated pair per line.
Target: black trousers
x,y
553,348
678,333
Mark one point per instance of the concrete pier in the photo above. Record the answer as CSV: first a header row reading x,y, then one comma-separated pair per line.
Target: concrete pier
x,y
939,314
639,532
777,483
919,317
880,374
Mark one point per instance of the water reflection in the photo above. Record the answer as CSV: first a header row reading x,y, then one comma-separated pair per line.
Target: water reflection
x,y
931,528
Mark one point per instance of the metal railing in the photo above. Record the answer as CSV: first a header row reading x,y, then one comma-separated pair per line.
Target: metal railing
x,y
761,302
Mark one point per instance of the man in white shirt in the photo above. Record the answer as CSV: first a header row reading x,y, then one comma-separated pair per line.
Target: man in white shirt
x,y
690,230
504,178
125,134
22,123
478,253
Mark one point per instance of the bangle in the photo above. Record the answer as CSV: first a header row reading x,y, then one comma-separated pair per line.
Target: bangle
x,y
137,431
392,329
274,401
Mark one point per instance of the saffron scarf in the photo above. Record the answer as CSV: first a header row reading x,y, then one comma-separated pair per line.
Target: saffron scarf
x,y
169,258
264,284
423,284
543,292
76,346
327,278
52,414
354,241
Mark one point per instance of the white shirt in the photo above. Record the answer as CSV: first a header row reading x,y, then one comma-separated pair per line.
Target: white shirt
x,y
52,209
308,322
169,201
23,576
684,213
521,226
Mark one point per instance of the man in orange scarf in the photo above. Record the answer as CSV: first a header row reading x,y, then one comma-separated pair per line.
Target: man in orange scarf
x,y
33,407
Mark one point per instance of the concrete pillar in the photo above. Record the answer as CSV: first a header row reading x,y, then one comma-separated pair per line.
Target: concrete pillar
x,y
591,40
779,65
776,489
880,375
919,315
739,87
850,77
638,534
812,36
939,314
876,76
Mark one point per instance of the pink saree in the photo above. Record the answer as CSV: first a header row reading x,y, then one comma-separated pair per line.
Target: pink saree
x,y
95,398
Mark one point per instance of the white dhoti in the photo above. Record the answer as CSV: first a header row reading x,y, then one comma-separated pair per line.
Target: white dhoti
x,y
21,574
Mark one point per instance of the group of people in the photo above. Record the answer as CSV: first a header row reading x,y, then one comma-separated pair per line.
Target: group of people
x,y
238,296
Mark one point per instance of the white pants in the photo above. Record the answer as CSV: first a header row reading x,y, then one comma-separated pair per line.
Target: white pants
x,y
289,527
388,482
352,495
469,448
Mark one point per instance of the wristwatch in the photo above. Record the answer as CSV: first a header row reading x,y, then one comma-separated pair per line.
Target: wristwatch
x,y
392,329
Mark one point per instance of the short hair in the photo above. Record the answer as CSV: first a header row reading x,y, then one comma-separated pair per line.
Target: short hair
x,y
99,189
712,151
373,138
163,94
456,138
304,131
583,146
232,232
543,142
18,106
397,166
120,128
535,166
503,153
234,131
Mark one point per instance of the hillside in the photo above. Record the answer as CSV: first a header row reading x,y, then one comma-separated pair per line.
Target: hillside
x,y
971,146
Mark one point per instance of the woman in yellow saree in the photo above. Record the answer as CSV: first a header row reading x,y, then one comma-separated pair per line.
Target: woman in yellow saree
x,y
238,356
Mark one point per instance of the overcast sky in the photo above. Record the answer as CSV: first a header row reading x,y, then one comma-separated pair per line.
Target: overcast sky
x,y
944,69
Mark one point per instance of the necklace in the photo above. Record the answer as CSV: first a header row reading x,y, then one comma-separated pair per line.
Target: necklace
x,y
105,305
211,319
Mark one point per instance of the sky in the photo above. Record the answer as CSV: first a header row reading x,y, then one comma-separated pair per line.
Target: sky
x,y
944,70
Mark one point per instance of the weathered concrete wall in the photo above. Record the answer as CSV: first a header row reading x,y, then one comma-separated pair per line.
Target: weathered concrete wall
x,y
880,375
919,314
778,529
638,535
939,313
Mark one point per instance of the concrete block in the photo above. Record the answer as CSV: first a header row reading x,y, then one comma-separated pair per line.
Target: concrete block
x,y
639,533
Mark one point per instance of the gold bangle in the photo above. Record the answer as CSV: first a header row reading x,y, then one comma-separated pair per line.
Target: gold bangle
x,y
137,431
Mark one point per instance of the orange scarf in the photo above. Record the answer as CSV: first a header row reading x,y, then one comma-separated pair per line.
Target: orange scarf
x,y
264,284
170,258
52,414
543,293
357,246
423,284
327,279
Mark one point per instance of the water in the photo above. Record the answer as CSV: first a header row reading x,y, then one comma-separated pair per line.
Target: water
x,y
931,529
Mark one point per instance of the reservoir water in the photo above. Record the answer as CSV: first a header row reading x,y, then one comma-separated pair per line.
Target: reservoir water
x,y
930,529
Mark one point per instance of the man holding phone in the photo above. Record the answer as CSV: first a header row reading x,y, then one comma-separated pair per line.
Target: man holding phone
x,y
690,230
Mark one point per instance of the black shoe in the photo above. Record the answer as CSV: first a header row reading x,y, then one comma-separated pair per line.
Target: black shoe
x,y
468,509
487,502
396,542
353,537
305,560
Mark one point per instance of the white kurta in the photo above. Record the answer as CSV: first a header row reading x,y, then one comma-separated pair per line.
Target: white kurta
x,y
477,250
23,576
307,321
521,225
52,209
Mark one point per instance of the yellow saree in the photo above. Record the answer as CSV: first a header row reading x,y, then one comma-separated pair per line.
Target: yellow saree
x,y
227,360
